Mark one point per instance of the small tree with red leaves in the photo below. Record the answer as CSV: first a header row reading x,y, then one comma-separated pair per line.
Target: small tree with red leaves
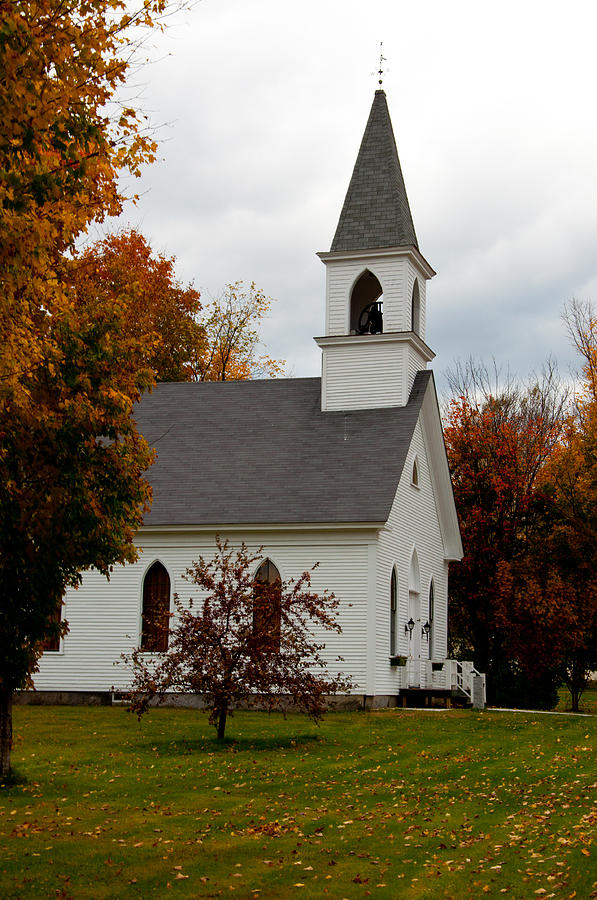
x,y
244,642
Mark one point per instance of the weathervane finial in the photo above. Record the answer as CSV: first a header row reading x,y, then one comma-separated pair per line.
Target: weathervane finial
x,y
382,60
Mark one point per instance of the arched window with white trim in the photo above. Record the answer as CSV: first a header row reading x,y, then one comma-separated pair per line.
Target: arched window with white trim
x,y
267,606
431,614
52,643
394,613
156,609
413,626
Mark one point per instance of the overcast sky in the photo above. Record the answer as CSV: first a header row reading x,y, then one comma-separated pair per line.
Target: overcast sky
x,y
262,106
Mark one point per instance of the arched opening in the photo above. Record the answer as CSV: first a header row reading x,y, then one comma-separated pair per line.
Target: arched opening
x,y
156,609
366,305
267,606
413,626
52,643
414,579
415,314
394,613
431,612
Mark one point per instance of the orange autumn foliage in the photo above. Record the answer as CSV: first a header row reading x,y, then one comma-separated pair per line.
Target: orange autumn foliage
x,y
61,152
72,492
498,447
160,312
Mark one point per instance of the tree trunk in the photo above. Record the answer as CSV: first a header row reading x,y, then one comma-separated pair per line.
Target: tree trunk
x,y
577,683
5,732
222,721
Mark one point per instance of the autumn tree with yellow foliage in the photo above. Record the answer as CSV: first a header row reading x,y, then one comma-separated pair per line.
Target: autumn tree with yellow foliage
x,y
71,460
231,323
572,472
552,592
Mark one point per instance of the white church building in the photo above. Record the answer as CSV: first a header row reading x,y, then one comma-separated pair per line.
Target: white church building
x,y
348,470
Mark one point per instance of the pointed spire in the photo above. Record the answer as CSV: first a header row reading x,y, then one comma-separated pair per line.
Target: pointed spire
x,y
376,213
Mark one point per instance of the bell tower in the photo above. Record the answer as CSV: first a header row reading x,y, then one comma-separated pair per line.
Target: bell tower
x,y
375,307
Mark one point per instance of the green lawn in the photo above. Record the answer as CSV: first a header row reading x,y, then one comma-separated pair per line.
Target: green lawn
x,y
401,803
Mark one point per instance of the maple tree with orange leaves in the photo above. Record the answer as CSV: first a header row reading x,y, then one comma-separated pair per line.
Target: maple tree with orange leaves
x,y
72,492
162,314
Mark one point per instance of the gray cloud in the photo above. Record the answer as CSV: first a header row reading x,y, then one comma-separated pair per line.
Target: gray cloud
x,y
492,107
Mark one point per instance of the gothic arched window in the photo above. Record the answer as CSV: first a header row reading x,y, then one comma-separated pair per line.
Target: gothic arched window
x,y
267,605
430,619
415,315
393,612
156,609
52,644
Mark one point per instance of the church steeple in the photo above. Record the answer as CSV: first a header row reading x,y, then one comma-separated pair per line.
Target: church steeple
x,y
374,341
376,211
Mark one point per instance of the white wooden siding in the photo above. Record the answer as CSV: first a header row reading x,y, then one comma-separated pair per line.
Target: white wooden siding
x,y
364,375
105,617
368,371
415,364
413,523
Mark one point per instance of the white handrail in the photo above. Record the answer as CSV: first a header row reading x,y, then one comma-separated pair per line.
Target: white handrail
x,y
456,675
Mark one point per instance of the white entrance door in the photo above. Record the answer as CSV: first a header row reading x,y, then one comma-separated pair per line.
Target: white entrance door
x,y
414,641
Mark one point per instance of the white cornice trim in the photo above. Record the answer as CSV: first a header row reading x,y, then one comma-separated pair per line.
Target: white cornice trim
x,y
341,255
388,337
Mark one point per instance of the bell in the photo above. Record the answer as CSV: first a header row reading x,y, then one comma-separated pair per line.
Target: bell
x,y
371,319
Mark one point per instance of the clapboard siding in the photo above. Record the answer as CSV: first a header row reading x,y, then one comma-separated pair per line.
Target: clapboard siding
x,y
415,364
364,376
369,371
413,523
105,618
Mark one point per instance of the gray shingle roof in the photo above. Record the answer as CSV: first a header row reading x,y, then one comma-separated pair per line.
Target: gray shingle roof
x,y
376,212
263,452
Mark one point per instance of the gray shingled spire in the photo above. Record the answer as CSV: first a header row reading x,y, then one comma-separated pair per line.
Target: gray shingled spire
x,y
376,211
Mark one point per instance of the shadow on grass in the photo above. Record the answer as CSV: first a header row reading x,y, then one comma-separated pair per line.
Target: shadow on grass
x,y
237,744
13,780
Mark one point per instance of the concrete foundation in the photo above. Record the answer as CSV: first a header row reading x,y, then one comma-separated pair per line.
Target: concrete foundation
x,y
340,702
